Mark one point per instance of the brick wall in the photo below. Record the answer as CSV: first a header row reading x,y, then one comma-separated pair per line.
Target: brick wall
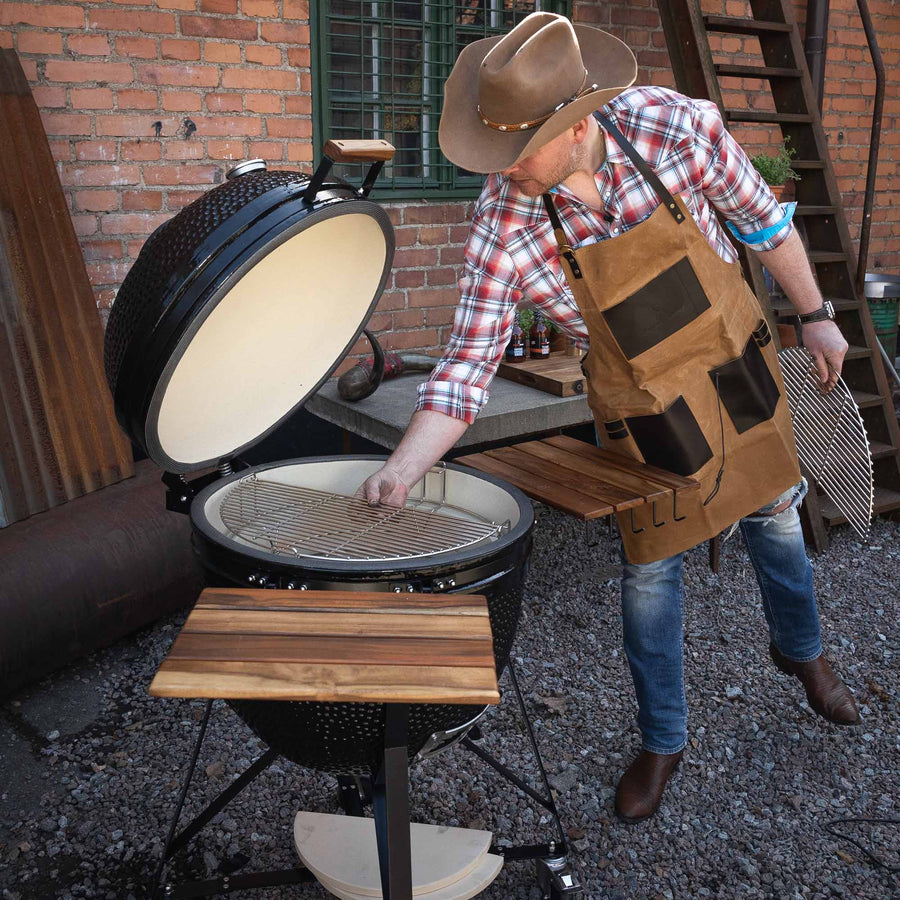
x,y
146,102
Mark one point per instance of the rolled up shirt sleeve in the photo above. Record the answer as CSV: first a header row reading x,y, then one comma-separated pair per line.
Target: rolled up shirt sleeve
x,y
734,187
482,324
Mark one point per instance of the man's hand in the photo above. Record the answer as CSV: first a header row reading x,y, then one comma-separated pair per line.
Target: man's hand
x,y
828,348
384,488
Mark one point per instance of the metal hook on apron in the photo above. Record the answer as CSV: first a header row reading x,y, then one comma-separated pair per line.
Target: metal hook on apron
x,y
655,523
675,515
633,529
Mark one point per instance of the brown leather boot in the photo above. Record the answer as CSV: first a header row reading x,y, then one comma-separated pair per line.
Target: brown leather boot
x,y
641,787
826,693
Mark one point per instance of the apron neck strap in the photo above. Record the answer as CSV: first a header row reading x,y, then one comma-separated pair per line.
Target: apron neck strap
x,y
650,176
565,248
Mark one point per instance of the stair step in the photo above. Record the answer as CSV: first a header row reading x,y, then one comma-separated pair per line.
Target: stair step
x,y
807,164
784,307
739,25
864,399
826,256
858,352
756,71
765,116
886,500
877,450
804,209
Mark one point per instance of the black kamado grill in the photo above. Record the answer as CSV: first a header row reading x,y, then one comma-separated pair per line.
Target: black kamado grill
x,y
235,312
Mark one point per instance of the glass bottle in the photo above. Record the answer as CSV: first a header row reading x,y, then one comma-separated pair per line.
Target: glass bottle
x,y
539,337
515,349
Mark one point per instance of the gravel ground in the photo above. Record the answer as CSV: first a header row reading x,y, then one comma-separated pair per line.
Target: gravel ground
x,y
91,764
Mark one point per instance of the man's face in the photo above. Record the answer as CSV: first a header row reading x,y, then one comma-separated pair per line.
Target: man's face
x,y
547,167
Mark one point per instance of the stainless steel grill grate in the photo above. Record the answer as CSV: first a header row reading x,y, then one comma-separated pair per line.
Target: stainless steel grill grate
x,y
291,520
831,437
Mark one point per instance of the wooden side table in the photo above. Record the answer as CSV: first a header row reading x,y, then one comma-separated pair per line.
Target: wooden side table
x,y
334,646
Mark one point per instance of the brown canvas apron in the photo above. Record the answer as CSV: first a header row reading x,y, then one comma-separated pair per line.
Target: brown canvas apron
x,y
682,372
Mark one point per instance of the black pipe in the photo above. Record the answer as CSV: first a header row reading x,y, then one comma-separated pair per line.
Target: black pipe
x,y
816,45
874,145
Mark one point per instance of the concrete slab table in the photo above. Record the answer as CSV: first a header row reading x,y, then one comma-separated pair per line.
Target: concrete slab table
x,y
513,412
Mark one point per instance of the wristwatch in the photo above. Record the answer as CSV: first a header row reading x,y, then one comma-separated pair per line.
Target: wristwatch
x,y
824,312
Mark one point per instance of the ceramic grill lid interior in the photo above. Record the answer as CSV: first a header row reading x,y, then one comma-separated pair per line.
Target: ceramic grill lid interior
x,y
239,308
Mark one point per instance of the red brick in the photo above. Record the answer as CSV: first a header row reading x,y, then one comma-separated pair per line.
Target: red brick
x,y
380,322
442,276
263,56
131,223
141,151
221,53
142,200
224,7
225,149
433,297
96,150
276,33
297,152
185,150
415,258
29,68
184,50
170,175
135,99
227,126
265,150
100,175
409,318
88,44
392,300
182,101
452,256
97,201
94,250
133,247
298,105
299,56
84,225
224,102
434,214
39,42
109,272
104,300
179,76
630,16
459,234
262,103
49,97
180,199
44,15
305,82
6,40
62,123
128,126
434,235
442,316
406,237
410,340
407,278
289,128
256,79
261,9
140,48
296,9
190,5
100,72
232,29
92,98
61,150
131,21
653,59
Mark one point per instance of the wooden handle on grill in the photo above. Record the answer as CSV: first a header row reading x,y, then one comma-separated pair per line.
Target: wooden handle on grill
x,y
359,151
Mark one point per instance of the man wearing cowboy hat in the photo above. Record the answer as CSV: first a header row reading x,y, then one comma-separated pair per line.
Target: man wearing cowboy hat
x,y
599,209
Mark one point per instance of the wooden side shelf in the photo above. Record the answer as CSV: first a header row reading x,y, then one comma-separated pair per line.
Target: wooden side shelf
x,y
579,478
333,646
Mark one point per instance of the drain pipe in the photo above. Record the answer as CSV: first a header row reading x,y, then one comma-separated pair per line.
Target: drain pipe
x,y
874,145
815,44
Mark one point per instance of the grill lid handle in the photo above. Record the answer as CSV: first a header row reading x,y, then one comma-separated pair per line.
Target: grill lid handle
x,y
359,151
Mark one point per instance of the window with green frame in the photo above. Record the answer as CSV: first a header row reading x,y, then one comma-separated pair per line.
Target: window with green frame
x,y
379,68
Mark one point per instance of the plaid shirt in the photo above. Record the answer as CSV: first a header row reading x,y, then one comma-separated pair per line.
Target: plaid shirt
x,y
511,252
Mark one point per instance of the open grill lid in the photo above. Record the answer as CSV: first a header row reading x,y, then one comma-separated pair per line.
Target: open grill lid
x,y
242,305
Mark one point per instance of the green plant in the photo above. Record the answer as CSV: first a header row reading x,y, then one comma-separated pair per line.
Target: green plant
x,y
526,318
776,169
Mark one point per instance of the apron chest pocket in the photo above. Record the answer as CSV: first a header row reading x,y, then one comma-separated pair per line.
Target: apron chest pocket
x,y
657,310
746,388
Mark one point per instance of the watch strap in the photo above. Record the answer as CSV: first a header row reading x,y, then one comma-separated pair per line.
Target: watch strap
x,y
823,313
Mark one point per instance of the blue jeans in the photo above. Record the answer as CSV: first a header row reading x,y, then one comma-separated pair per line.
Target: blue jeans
x,y
653,606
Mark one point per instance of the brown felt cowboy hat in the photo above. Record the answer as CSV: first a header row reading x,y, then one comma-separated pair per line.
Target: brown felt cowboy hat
x,y
508,95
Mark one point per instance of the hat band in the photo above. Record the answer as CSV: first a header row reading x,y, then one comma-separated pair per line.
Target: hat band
x,y
533,123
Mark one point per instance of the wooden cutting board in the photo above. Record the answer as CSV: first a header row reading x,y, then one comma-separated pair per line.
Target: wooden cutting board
x,y
558,374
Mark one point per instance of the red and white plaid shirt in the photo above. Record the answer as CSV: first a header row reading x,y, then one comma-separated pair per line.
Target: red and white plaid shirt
x,y
511,252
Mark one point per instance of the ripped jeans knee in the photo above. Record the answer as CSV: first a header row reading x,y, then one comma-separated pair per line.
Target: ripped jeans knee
x,y
786,504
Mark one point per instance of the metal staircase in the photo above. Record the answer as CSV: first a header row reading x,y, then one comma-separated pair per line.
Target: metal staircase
x,y
781,65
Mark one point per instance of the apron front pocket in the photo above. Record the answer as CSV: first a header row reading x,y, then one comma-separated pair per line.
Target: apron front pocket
x,y
671,440
656,311
746,387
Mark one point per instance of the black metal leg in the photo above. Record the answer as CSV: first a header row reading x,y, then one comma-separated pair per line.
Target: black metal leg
x,y
167,851
391,803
